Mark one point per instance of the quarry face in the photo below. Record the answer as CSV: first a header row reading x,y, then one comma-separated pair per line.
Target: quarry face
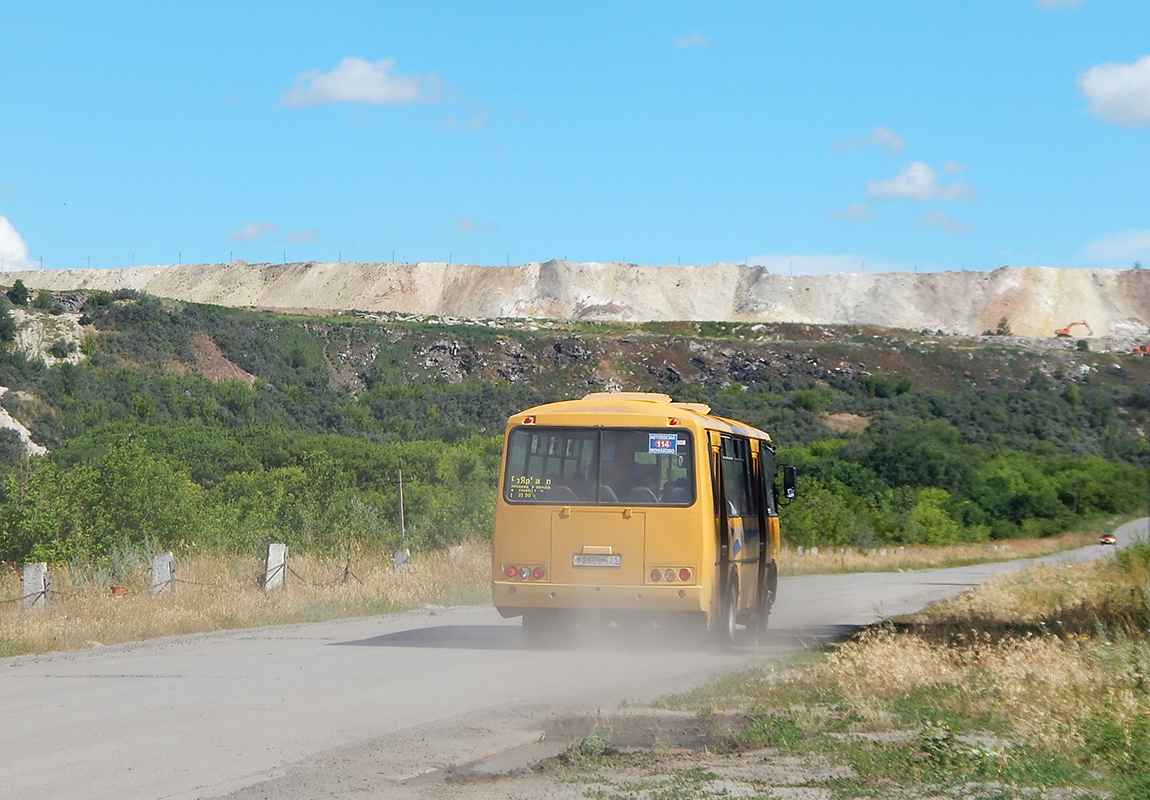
x,y
1033,301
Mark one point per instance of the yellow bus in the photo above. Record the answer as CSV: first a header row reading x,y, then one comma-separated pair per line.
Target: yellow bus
x,y
629,507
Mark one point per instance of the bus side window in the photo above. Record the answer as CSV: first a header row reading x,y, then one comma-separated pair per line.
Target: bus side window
x,y
736,476
767,468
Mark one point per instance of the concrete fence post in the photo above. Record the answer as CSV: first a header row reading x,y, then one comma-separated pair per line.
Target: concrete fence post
x,y
276,568
37,584
401,559
163,573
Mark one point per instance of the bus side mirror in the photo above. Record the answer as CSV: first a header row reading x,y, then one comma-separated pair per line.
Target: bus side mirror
x,y
789,483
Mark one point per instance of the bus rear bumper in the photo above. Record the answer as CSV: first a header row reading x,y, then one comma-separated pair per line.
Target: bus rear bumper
x,y
512,599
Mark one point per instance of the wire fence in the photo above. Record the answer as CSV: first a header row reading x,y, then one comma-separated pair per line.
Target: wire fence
x,y
22,598
177,258
263,578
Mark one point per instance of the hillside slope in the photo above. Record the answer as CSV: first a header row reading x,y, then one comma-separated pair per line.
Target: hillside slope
x,y
1034,300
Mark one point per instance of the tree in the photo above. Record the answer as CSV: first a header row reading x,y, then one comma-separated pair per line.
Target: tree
x,y
921,454
829,514
19,293
45,301
131,496
7,325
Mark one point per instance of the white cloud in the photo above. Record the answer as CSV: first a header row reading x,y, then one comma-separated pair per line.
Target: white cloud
x,y
356,80
1121,249
466,227
1118,93
859,212
944,222
250,231
879,137
13,251
919,182
884,137
476,119
692,41
304,237
814,264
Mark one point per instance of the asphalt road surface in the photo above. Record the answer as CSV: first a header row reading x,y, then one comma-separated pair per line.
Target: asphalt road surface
x,y
369,707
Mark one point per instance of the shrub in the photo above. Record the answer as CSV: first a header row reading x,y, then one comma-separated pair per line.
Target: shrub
x,y
18,294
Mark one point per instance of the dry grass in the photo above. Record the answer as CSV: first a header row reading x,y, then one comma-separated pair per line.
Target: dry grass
x,y
1047,649
893,558
218,592
1045,686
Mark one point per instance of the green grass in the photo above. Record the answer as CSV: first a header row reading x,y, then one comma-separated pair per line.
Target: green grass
x,y
687,784
970,700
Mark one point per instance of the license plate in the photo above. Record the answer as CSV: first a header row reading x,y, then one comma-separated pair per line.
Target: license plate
x,y
596,560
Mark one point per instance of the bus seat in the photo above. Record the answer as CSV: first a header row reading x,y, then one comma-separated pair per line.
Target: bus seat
x,y
641,494
680,495
607,494
565,493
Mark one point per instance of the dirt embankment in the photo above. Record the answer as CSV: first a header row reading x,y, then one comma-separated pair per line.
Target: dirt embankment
x,y
1034,301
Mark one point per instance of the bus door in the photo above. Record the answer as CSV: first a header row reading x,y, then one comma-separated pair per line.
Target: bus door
x,y
722,523
768,528
739,522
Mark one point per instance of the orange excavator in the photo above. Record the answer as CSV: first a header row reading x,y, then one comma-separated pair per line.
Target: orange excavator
x,y
1066,331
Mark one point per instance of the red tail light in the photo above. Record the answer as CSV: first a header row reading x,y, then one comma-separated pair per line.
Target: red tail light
x,y
684,574
656,575
517,572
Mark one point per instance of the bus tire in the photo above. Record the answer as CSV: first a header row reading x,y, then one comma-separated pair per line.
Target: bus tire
x,y
724,631
766,600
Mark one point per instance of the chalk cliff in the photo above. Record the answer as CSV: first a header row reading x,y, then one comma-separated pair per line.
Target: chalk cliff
x,y
1034,300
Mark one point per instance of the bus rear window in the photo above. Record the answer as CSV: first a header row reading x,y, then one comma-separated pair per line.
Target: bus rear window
x,y
599,466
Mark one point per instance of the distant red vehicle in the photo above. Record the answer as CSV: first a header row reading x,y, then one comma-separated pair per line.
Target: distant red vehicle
x,y
1107,538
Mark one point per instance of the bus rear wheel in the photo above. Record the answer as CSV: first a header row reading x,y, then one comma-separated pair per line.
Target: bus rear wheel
x,y
724,631
766,600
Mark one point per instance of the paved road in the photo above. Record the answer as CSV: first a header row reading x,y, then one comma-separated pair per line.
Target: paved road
x,y
356,706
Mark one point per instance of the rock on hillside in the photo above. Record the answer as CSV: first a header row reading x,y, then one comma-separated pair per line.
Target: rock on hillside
x,y
1034,300
50,338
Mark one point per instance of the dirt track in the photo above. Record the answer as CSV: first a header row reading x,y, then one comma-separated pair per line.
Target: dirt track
x,y
1035,300
403,706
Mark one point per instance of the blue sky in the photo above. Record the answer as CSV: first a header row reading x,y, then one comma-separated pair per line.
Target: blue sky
x,y
809,136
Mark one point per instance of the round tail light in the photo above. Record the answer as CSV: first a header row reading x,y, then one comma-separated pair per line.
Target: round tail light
x,y
669,575
684,574
538,573
656,575
511,572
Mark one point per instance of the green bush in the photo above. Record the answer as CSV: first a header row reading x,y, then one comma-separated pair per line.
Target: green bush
x,y
297,454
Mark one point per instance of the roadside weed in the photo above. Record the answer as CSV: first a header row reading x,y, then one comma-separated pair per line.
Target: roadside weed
x,y
1035,685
